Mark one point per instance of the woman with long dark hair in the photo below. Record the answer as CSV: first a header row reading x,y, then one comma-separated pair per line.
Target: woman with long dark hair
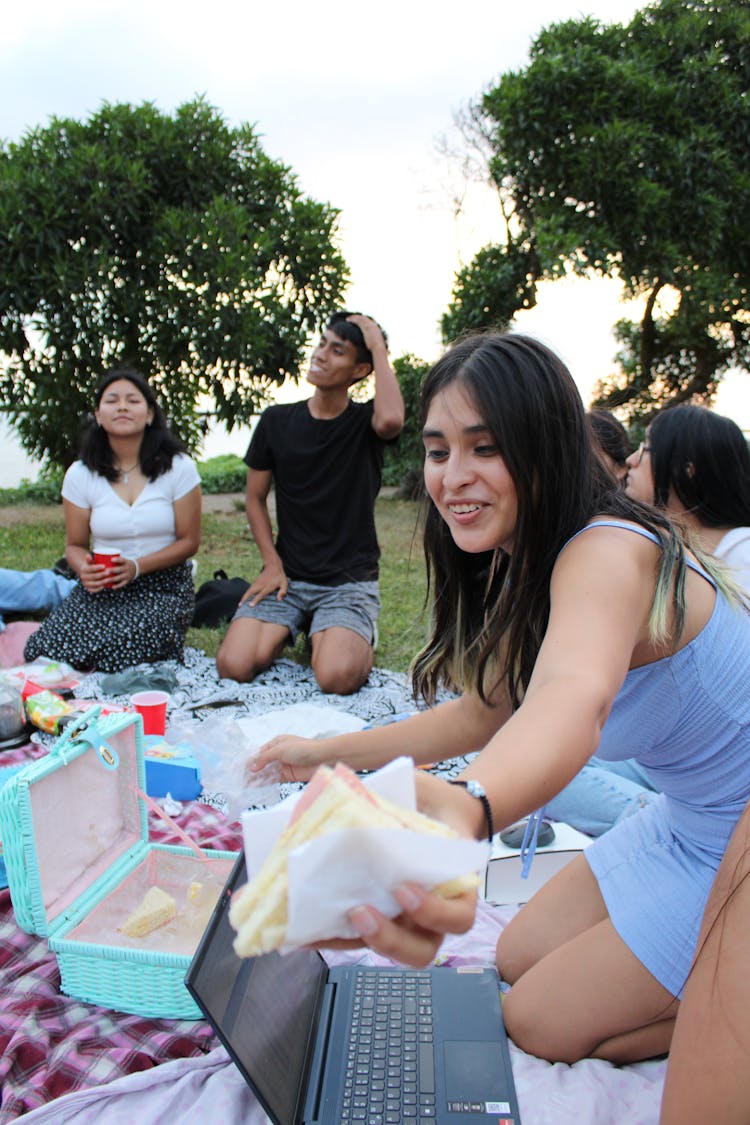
x,y
134,495
695,464
573,620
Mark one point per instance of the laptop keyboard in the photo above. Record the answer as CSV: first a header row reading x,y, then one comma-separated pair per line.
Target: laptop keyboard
x,y
390,1076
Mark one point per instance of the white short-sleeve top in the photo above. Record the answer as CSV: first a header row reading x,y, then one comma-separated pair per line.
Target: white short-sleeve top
x,y
135,529
734,550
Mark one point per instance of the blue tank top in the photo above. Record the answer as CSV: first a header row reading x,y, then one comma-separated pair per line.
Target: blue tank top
x,y
686,720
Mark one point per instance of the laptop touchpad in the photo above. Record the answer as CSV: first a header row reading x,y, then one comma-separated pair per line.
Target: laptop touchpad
x,y
474,1071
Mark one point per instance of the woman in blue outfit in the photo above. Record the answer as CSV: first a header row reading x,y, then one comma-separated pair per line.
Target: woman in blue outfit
x,y
695,466
573,620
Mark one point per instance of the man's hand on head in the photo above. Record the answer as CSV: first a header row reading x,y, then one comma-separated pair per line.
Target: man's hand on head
x,y
370,329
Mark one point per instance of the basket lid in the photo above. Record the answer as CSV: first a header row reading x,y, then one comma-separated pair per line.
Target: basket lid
x,y
73,815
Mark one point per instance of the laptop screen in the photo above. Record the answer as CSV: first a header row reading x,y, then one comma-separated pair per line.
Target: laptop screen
x,y
264,1013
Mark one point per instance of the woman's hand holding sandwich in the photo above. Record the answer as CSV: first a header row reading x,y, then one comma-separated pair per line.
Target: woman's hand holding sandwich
x,y
415,935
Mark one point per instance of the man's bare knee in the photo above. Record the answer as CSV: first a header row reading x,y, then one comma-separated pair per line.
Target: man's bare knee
x,y
233,665
340,680
249,647
341,660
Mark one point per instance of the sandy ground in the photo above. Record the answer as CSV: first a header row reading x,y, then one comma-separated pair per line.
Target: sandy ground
x,y
227,502
213,502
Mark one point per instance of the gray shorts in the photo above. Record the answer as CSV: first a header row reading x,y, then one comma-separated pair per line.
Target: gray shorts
x,y
311,609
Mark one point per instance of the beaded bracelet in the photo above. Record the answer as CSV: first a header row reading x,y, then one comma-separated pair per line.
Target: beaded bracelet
x,y
476,789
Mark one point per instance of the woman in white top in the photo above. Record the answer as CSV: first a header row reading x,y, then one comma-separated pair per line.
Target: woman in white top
x,y
134,494
696,465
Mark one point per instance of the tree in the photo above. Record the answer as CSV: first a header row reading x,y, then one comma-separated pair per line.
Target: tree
x,y
170,242
404,459
623,151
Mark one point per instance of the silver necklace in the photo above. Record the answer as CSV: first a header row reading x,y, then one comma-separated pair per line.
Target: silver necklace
x,y
125,473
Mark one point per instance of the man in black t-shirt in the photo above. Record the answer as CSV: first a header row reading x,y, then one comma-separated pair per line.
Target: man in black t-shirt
x,y
323,457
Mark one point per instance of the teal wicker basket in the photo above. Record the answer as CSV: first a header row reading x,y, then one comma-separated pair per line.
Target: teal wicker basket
x,y
74,827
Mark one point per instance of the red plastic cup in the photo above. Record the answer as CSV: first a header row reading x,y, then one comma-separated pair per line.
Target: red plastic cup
x,y
152,707
106,558
30,688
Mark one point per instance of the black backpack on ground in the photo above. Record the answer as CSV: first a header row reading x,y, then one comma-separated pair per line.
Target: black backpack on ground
x,y
217,600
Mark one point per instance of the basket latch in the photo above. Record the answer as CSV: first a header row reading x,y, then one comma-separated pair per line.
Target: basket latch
x,y
86,729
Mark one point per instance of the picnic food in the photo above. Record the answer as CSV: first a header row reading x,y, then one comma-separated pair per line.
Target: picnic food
x,y
335,799
155,909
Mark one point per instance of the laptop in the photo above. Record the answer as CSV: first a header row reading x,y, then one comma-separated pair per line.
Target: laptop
x,y
320,1045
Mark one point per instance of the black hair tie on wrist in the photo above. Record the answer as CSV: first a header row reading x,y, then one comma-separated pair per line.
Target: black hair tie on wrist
x,y
476,789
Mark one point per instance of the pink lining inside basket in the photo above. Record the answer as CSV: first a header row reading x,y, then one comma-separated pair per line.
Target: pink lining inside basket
x,y
85,817
177,875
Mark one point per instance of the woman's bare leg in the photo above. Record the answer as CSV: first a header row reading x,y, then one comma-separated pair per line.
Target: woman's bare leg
x,y
563,908
578,992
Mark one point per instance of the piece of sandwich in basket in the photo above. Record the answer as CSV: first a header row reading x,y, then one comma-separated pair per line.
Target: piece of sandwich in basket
x,y
335,799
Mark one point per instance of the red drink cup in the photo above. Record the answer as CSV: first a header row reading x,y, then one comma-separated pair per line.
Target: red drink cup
x,y
152,707
106,558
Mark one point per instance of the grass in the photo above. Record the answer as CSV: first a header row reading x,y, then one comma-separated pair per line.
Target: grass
x,y
37,539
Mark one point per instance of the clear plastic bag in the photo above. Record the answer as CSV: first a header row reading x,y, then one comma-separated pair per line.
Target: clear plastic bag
x,y
223,752
54,675
224,748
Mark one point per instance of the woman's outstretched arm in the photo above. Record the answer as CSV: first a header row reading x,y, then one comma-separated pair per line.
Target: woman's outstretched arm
x,y
459,726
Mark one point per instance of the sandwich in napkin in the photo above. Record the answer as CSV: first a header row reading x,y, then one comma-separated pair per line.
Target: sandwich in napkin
x,y
334,801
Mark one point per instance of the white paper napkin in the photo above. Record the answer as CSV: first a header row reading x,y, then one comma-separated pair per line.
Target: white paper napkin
x,y
331,874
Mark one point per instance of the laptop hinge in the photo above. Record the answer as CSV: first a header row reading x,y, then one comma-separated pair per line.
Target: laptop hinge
x,y
321,1039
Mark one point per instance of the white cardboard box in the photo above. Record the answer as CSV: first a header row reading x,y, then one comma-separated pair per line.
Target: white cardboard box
x,y
503,884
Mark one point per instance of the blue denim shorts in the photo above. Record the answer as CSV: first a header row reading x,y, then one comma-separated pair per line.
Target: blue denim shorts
x,y
310,609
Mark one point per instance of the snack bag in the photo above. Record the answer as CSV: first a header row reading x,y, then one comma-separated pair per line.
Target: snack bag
x,y
45,709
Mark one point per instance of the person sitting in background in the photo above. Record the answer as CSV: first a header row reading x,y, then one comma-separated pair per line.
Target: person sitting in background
x,y
695,464
573,619
27,592
611,440
324,458
134,492
31,591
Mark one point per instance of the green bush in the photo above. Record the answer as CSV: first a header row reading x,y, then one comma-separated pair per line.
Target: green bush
x,y
227,473
404,458
46,490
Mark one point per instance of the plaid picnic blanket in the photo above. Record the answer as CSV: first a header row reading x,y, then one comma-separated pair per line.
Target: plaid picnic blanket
x,y
51,1044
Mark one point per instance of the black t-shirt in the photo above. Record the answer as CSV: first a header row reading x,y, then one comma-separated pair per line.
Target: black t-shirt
x,y
326,476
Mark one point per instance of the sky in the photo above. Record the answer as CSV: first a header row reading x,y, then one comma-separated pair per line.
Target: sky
x,y
356,99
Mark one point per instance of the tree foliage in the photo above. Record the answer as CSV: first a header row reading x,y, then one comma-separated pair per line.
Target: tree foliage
x,y
622,150
170,242
403,461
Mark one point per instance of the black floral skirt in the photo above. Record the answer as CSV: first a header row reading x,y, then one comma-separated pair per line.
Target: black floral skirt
x,y
145,622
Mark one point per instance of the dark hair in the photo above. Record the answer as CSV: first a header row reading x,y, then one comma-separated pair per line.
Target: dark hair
x,y
704,457
610,435
159,445
346,330
490,611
